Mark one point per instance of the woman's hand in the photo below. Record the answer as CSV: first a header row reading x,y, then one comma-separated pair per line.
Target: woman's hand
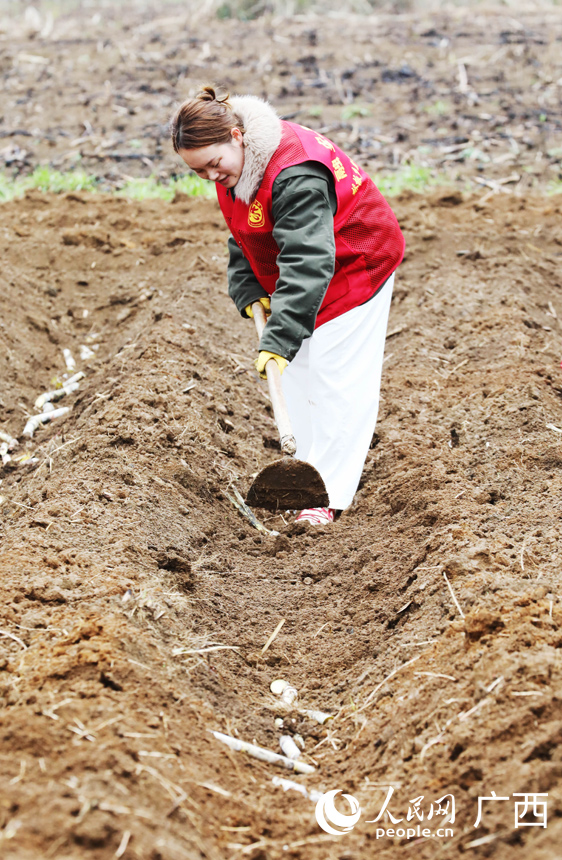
x,y
265,301
264,357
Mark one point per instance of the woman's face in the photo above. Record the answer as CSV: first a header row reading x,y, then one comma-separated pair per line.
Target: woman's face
x,y
218,162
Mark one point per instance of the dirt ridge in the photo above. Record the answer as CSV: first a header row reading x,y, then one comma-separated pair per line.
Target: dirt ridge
x,y
123,559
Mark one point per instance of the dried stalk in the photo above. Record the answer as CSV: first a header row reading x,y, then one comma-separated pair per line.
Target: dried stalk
x,y
273,636
246,512
456,602
15,638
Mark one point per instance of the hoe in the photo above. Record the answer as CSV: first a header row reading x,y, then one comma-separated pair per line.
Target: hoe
x,y
287,483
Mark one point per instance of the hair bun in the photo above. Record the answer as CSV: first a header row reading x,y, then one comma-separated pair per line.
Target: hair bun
x,y
204,120
208,93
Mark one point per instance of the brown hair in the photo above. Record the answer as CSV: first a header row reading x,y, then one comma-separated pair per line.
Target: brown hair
x,y
206,119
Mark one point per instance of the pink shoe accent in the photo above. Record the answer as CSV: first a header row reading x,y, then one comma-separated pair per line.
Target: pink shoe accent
x,y
316,516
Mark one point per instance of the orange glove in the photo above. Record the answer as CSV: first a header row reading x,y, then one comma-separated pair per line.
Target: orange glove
x,y
264,357
266,302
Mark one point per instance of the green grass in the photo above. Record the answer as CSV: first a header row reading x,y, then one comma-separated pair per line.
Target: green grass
x,y
554,187
409,177
46,179
438,108
353,111
145,189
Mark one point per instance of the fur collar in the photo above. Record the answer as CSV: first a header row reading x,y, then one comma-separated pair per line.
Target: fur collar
x,y
261,139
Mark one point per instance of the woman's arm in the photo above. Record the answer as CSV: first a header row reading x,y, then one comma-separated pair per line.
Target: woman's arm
x,y
243,286
304,204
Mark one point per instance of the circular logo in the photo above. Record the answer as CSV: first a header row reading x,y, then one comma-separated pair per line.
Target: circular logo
x,y
327,815
256,216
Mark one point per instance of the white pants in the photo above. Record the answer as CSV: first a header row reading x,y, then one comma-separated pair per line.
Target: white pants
x,y
332,391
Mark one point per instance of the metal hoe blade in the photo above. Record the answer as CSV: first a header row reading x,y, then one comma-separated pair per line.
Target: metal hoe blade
x,y
288,484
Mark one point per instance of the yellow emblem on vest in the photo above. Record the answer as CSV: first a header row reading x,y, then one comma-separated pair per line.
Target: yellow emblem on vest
x,y
256,216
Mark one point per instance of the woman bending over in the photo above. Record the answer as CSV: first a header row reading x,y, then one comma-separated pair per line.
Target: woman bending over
x,y
315,241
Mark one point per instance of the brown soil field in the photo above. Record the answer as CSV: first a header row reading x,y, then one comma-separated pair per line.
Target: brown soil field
x,y
136,600
474,94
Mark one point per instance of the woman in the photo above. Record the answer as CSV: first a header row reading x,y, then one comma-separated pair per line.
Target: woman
x,y
313,240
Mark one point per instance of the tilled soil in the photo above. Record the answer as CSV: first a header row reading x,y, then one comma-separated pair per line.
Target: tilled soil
x,y
136,601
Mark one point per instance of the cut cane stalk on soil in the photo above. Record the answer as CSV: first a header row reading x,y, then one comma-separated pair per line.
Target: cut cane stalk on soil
x,y
263,754
36,420
287,693
287,784
289,747
9,440
86,353
69,360
318,716
69,387
287,483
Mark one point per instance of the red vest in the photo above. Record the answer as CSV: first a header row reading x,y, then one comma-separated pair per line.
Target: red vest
x,y
369,243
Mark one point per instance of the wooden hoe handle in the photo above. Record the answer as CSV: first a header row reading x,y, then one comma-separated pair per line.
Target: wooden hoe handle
x,y
288,443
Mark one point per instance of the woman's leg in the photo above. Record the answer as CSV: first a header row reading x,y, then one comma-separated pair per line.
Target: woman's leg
x,y
344,363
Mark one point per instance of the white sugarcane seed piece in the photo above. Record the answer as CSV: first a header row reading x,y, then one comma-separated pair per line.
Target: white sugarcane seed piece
x,y
36,420
69,360
32,425
9,440
86,352
278,686
278,723
43,398
289,695
57,413
289,747
286,784
318,716
68,388
263,754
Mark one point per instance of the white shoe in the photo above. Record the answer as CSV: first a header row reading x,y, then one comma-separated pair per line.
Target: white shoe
x,y
316,516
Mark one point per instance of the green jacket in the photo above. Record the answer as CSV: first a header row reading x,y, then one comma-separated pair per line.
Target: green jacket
x,y
304,205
